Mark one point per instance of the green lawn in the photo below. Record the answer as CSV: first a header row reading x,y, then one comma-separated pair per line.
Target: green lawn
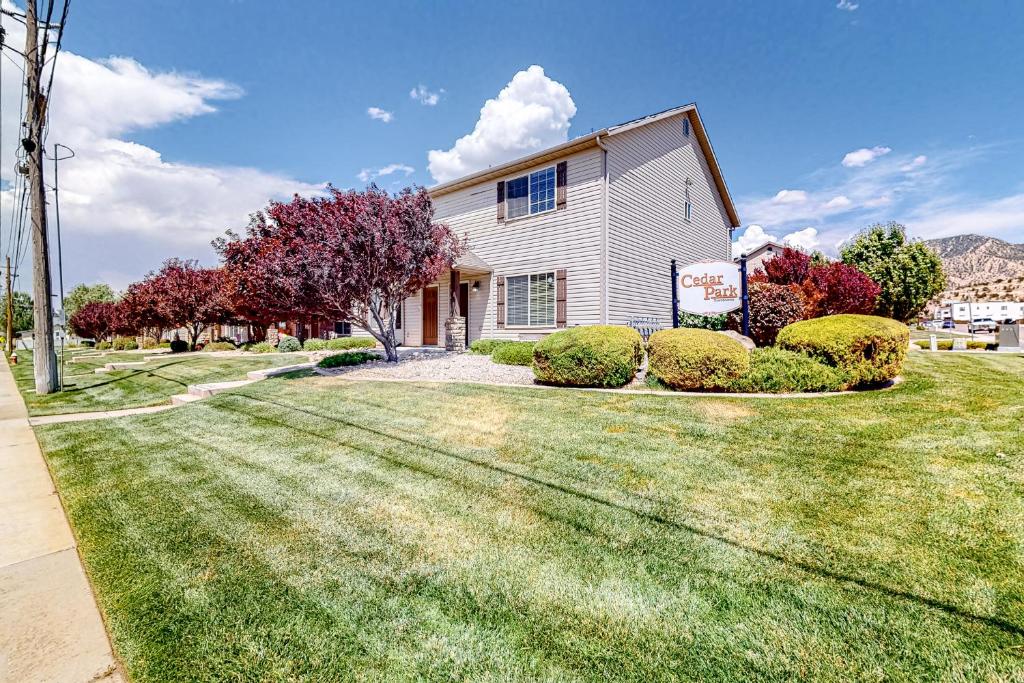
x,y
316,530
151,384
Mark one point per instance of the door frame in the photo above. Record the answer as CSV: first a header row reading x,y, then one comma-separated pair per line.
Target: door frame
x,y
464,287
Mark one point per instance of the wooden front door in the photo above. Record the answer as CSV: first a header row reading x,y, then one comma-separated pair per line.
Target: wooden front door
x,y
464,306
430,316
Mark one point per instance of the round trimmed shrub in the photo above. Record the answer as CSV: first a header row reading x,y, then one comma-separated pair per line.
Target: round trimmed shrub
x,y
778,371
339,360
867,348
689,358
589,356
260,347
486,347
179,346
514,353
314,344
288,345
103,345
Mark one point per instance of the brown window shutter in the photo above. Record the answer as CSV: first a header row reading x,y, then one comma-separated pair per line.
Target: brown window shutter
x,y
501,201
501,301
560,298
561,177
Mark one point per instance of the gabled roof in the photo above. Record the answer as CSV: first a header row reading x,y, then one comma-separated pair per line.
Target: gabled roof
x,y
591,140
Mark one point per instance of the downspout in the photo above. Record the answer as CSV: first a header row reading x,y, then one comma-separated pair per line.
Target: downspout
x,y
604,229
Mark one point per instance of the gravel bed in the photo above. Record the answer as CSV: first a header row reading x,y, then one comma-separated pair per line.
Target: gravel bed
x,y
436,367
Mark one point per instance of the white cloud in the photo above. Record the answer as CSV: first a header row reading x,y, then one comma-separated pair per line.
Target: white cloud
x,y
116,187
530,113
880,200
863,156
917,162
425,96
790,197
378,114
368,174
956,215
753,237
847,5
838,202
806,239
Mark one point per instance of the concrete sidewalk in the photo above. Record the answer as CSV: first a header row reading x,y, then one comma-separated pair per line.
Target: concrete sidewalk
x,y
50,627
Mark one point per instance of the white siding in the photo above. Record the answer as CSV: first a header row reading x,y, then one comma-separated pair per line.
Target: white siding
x,y
569,239
648,167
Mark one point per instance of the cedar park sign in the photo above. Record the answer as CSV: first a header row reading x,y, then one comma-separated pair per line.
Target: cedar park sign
x,y
709,287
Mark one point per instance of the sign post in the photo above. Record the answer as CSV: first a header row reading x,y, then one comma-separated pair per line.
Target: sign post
x,y
745,296
675,296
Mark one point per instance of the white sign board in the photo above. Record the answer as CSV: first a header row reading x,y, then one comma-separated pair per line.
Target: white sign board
x,y
709,288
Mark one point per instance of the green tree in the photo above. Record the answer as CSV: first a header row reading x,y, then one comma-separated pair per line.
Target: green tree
x,y
909,273
84,294
23,318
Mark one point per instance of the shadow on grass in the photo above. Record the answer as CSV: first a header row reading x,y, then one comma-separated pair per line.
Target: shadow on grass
x,y
655,518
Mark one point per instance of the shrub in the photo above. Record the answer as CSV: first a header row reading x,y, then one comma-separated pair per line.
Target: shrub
x,y
696,359
772,307
589,356
514,353
288,344
149,343
486,347
704,322
947,345
179,346
351,358
867,348
124,344
314,344
219,346
777,371
164,345
103,346
345,343
789,267
838,288
260,347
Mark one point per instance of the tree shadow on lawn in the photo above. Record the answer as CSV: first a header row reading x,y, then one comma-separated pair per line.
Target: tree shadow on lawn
x,y
820,572
130,377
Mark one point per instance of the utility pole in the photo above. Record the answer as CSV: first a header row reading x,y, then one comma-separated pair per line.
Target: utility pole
x,y
9,338
44,358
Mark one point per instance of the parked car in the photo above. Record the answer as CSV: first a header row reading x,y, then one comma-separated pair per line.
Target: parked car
x,y
933,325
982,325
949,324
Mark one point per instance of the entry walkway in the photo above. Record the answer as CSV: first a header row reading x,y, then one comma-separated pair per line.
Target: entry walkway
x,y
50,627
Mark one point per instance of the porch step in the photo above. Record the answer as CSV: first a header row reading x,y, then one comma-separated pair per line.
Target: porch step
x,y
182,399
211,388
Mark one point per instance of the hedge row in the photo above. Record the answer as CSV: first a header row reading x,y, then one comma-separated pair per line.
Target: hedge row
x,y
591,356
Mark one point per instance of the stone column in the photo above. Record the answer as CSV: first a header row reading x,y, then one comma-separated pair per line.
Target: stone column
x,y
455,334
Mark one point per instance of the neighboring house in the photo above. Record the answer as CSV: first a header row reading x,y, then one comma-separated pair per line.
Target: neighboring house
x,y
578,234
756,258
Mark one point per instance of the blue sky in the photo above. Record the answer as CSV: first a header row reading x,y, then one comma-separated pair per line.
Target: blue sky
x,y
215,106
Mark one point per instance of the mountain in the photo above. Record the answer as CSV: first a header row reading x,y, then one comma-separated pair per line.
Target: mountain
x,y
980,267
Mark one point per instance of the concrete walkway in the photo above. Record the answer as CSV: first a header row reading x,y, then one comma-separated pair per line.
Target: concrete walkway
x,y
50,627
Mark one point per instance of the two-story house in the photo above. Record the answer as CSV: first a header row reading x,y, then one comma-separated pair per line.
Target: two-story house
x,y
578,234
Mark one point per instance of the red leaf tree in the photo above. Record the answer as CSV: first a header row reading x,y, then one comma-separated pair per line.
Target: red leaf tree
x,y
788,268
352,256
95,320
188,296
142,308
772,307
838,288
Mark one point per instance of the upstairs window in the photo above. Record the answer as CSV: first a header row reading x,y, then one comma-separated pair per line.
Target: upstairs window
x,y
686,127
531,194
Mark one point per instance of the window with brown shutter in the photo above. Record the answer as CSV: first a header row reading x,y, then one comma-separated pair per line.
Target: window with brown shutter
x,y
561,178
501,301
501,201
560,298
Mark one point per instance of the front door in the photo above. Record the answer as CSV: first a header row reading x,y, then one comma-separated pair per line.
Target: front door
x,y
430,316
464,306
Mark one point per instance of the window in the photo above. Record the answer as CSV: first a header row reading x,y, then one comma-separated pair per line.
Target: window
x,y
343,329
531,194
686,127
530,300
687,206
